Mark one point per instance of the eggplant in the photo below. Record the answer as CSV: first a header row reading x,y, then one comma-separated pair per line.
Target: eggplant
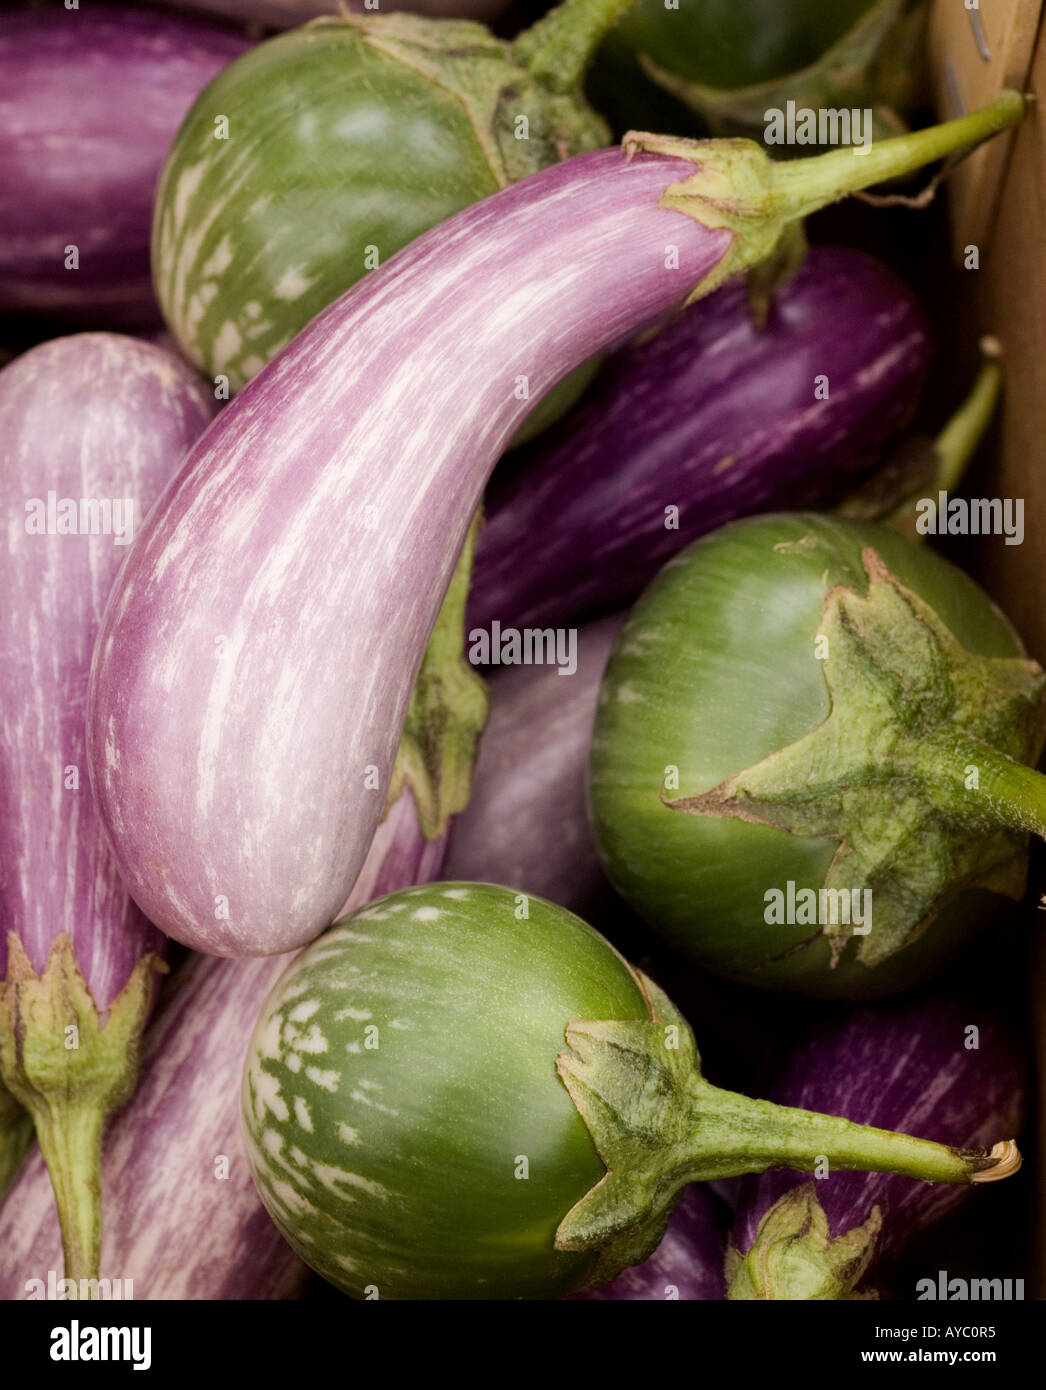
x,y
90,100
255,234
733,62
91,429
808,767
525,825
712,418
947,1066
411,1138
183,1219
688,1264
240,582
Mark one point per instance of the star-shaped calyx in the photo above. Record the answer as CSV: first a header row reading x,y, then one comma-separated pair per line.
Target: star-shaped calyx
x,y
917,771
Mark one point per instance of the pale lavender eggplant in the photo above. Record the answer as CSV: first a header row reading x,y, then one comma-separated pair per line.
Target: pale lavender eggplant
x,y
530,778
174,1225
253,669
90,100
687,1265
714,416
905,1065
104,419
286,14
252,672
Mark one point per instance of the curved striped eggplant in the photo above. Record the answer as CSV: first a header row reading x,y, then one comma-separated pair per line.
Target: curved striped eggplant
x,y
530,774
254,664
712,418
183,1218
90,100
943,1066
91,429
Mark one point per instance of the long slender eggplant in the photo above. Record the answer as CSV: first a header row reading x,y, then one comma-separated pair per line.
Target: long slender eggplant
x,y
90,100
943,1065
253,668
183,1218
712,418
91,429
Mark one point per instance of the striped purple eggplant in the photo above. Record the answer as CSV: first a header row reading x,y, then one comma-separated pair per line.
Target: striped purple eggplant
x,y
90,100
710,419
688,1264
530,778
942,1066
91,429
183,1218
254,664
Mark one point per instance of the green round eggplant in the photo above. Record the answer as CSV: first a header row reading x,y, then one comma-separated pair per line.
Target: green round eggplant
x,y
722,794
402,1080
324,151
463,1091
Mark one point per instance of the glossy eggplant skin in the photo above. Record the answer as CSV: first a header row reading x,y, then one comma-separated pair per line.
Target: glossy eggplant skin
x,y
687,1265
439,992
714,417
90,100
736,43
943,1065
526,824
715,670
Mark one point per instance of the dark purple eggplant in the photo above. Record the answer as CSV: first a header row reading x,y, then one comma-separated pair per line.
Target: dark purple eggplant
x,y
90,100
530,775
710,419
688,1264
940,1066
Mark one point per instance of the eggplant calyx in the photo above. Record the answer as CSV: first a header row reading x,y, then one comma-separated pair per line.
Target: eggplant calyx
x,y
738,188
70,1070
917,772
445,717
870,65
658,1125
794,1258
520,123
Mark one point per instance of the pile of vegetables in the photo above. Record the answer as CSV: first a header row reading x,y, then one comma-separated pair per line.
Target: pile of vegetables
x,y
329,950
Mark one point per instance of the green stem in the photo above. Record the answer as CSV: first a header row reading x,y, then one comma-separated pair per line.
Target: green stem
x,y
802,186
70,1138
658,1125
780,1136
957,442
986,782
16,1134
558,48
